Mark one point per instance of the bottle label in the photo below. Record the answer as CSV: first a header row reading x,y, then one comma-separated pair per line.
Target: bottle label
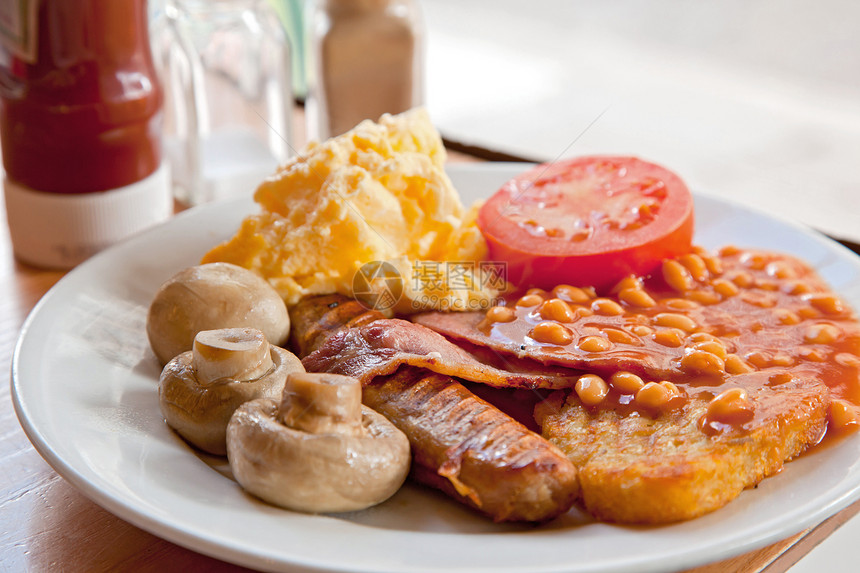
x,y
18,28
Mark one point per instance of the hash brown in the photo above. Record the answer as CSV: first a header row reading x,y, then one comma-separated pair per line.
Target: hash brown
x,y
639,469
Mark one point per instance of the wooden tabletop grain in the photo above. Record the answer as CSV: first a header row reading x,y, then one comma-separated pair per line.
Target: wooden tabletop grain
x,y
46,524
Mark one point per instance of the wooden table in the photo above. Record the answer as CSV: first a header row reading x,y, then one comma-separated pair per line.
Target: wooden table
x,y
46,524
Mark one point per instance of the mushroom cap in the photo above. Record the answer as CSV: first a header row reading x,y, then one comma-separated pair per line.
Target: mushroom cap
x,y
316,473
200,413
211,297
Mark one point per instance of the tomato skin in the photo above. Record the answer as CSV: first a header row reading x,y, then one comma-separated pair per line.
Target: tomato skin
x,y
606,256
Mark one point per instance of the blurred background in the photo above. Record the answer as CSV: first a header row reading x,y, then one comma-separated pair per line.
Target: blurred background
x,y
753,100
757,101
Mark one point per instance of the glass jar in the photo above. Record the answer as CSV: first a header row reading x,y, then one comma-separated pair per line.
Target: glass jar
x,y
225,65
366,58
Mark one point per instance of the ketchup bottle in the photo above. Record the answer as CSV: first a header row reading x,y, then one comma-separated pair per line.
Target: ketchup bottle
x,y
80,125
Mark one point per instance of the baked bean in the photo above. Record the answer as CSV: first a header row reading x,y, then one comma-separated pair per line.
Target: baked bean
x,y
571,294
822,333
673,320
695,265
677,276
581,311
703,337
551,333
808,312
725,288
736,365
626,382
636,297
714,347
681,304
811,354
785,316
641,330
704,296
530,300
594,344
606,307
715,265
796,287
671,337
591,389
826,303
556,309
628,282
762,284
620,337
653,395
847,359
783,360
501,314
754,261
779,378
729,251
731,406
758,358
780,270
741,278
759,299
701,362
842,414
670,387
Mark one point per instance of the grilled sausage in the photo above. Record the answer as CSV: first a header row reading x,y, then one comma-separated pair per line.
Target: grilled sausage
x,y
460,443
316,318
472,451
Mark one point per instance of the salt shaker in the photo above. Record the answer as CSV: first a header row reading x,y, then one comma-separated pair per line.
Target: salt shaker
x,y
225,66
366,60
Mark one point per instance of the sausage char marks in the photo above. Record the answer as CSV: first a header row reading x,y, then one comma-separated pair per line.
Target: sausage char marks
x,y
472,451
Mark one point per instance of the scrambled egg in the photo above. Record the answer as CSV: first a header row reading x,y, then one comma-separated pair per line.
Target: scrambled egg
x,y
376,193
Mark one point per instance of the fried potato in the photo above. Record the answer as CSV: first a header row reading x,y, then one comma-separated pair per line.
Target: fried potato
x,y
639,469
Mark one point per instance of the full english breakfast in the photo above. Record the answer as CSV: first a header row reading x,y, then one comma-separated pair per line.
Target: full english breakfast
x,y
617,365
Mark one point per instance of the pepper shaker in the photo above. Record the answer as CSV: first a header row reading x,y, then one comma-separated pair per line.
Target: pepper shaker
x,y
366,60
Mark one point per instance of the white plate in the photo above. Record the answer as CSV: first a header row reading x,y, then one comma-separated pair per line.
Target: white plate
x,y
84,384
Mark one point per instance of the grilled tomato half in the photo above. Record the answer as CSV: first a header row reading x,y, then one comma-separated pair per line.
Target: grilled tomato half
x,y
588,221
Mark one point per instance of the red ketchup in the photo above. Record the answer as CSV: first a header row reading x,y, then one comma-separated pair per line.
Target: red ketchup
x,y
80,124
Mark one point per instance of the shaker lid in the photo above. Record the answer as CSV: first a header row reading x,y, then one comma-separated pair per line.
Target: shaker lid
x,y
60,230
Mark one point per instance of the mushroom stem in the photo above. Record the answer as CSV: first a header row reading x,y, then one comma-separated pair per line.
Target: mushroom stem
x,y
319,403
239,354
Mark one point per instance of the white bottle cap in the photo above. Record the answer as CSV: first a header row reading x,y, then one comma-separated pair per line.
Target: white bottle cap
x,y
60,230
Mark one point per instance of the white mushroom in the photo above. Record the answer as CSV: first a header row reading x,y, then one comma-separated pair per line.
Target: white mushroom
x,y
200,389
209,297
319,450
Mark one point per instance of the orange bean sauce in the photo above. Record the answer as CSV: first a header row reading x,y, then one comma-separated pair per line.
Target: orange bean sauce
x,y
722,327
